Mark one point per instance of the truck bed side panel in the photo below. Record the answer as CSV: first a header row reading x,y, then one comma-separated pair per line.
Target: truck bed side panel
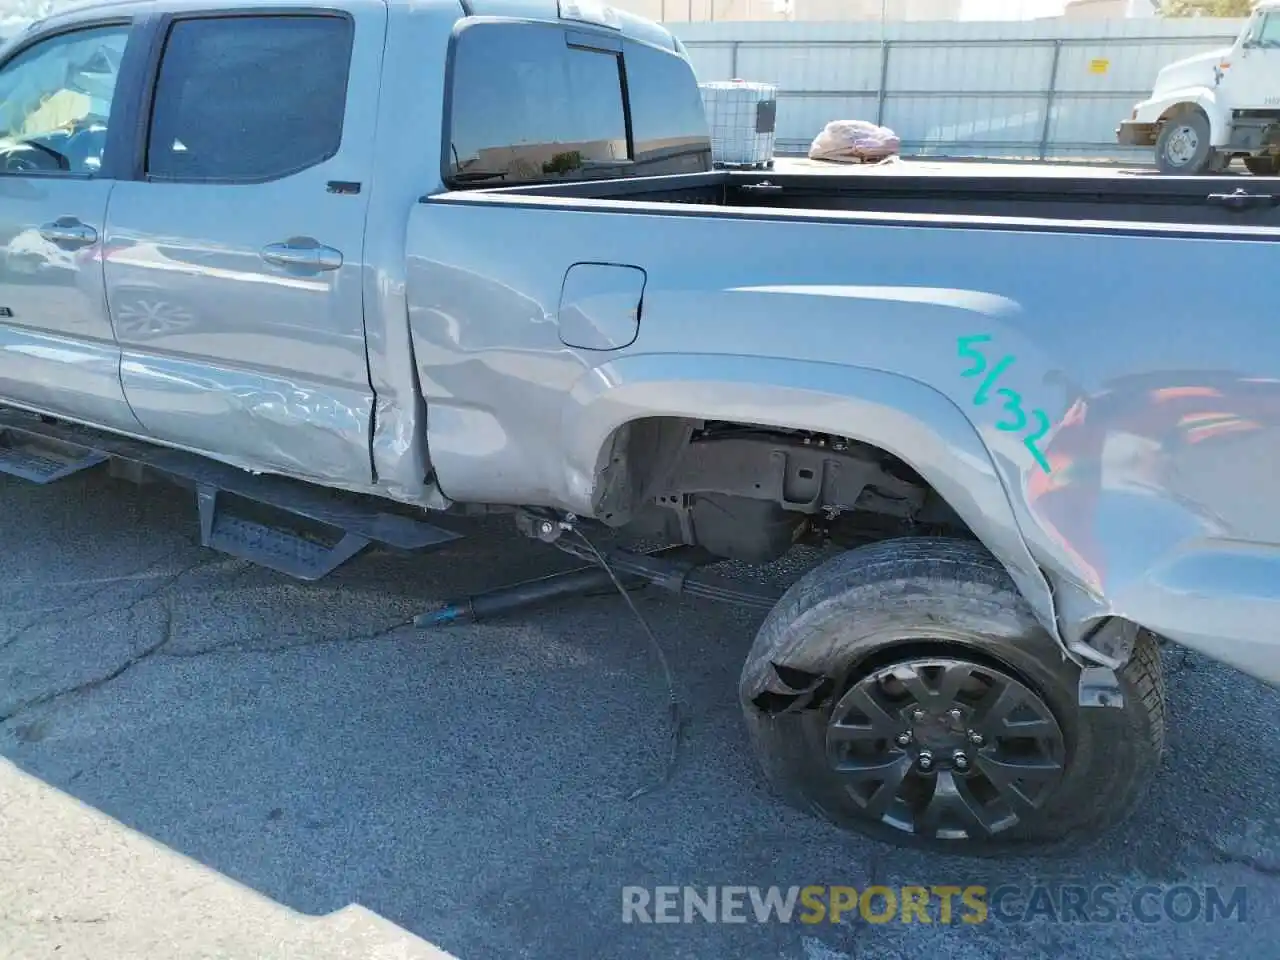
x,y
1125,395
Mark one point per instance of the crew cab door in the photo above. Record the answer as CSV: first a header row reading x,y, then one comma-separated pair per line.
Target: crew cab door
x,y
1252,81
57,104
234,260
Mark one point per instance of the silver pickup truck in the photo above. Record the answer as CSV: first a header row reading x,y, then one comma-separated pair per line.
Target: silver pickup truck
x,y
368,265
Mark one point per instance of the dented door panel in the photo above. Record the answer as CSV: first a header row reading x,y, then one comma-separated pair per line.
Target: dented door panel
x,y
235,270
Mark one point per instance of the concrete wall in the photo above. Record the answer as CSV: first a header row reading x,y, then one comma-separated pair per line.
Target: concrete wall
x,y
1044,88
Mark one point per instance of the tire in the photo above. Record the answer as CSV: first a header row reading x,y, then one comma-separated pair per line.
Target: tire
x,y
937,608
1183,149
1264,166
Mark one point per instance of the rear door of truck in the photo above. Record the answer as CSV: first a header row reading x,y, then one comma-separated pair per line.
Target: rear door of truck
x,y
235,256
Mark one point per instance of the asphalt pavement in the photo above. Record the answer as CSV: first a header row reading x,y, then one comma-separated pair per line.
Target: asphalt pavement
x,y
199,758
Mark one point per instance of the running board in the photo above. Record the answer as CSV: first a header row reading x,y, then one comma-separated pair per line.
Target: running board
x,y
269,545
295,528
43,460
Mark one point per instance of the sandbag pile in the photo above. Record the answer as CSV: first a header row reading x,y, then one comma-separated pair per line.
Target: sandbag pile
x,y
854,141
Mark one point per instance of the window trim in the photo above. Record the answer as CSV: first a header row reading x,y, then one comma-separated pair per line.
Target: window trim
x,y
579,36
163,30
119,105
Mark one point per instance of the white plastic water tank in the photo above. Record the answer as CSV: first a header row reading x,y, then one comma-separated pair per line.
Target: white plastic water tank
x,y
742,117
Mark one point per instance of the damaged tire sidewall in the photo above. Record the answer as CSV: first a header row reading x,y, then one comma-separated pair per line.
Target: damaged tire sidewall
x,y
871,624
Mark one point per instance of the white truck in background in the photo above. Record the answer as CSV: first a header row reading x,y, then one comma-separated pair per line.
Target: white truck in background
x,y
1206,110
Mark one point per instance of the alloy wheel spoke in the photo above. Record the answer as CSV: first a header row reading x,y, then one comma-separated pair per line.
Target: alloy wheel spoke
x,y
878,803
953,678
861,700
944,693
854,733
1030,768
880,767
997,705
1017,800
952,795
1036,727
1007,778
994,717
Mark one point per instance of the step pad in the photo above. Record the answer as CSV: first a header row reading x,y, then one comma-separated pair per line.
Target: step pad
x,y
43,461
275,548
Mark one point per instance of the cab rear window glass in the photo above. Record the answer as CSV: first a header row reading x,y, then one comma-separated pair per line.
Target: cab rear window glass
x,y
526,105
668,121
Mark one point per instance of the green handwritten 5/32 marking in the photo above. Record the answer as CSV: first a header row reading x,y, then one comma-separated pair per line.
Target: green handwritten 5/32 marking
x,y
1015,419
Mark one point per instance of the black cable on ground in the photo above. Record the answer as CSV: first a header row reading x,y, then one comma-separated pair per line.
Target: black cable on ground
x,y
676,714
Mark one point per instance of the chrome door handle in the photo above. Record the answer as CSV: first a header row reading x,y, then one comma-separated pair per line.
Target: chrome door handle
x,y
69,232
304,253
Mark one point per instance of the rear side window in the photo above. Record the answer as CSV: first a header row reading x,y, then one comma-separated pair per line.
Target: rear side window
x,y
531,103
248,99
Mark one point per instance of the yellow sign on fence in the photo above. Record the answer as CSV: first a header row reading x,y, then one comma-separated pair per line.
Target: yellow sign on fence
x,y
1099,66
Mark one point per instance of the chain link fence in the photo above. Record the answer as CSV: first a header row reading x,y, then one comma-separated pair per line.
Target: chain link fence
x,y
1035,90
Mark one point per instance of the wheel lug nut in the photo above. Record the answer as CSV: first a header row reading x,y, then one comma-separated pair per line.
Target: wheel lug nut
x,y
904,738
976,738
954,713
925,760
917,715
960,761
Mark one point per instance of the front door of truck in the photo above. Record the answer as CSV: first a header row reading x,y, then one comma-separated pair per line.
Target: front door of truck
x,y
57,351
234,266
1252,82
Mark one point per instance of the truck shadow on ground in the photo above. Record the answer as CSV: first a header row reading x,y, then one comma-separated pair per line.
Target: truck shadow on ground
x,y
470,784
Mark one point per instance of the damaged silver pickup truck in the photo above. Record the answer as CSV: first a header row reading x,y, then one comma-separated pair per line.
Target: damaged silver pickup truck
x,y
366,265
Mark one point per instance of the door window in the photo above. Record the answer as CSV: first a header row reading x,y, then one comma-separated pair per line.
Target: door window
x,y
249,98
55,102
1265,32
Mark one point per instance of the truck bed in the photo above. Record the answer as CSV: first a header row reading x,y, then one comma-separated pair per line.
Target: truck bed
x,y
953,189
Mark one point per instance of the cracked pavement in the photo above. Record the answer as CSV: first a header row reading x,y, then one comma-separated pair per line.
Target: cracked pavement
x,y
199,758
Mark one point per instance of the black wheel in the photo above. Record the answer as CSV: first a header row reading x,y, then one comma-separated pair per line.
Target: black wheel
x,y
1264,166
1183,145
905,690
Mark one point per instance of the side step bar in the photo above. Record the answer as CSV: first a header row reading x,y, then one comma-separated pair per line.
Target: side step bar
x,y
313,530
43,460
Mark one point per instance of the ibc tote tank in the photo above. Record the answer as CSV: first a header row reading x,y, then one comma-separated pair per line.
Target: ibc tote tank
x,y
742,117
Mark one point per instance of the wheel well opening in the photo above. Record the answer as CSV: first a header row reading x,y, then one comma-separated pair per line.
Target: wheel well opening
x,y
750,491
1181,109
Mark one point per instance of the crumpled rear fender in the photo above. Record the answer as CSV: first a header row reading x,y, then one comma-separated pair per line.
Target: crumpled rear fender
x,y
902,416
